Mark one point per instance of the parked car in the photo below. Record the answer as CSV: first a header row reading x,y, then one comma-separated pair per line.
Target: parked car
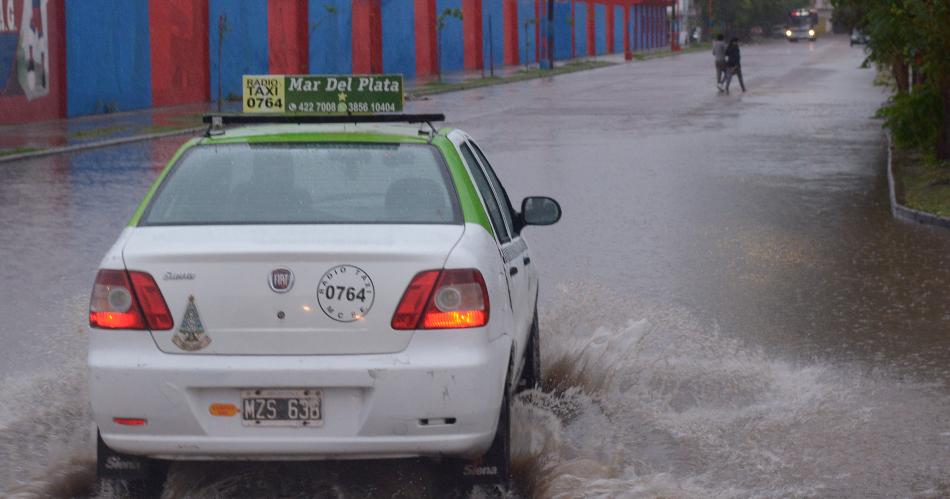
x,y
858,37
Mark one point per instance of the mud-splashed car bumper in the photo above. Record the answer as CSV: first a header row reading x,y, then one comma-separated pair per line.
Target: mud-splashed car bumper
x,y
438,397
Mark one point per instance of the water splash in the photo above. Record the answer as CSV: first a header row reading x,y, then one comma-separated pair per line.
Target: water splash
x,y
664,405
650,402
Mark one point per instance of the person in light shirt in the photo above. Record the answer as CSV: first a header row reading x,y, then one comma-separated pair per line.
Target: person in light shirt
x,y
719,54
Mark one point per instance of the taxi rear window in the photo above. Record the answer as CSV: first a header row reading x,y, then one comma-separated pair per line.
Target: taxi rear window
x,y
313,183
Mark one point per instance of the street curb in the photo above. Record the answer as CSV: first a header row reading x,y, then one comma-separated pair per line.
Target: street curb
x,y
420,93
104,143
900,211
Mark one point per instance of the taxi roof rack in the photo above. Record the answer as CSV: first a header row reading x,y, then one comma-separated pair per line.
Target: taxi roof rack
x,y
218,121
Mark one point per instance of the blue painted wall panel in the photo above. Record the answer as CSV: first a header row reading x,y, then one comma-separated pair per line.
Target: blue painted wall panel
x,y
399,37
450,40
244,47
527,26
580,28
618,29
492,12
108,57
640,36
331,36
600,29
647,39
654,34
562,31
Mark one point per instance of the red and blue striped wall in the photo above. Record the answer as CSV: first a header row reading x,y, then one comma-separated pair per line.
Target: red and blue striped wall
x,y
120,55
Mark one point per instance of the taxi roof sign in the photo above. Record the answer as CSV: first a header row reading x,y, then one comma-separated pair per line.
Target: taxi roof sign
x,y
323,94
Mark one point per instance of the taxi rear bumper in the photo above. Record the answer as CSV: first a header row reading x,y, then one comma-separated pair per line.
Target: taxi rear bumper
x,y
439,397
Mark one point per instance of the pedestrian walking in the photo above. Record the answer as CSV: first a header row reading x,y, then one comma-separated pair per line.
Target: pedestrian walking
x,y
719,53
734,64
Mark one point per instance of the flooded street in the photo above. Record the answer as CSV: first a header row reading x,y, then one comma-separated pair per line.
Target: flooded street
x,y
728,308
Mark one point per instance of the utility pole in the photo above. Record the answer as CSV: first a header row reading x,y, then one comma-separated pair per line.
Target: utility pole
x,y
674,30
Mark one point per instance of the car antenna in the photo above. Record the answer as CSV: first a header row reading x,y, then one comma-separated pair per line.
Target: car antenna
x,y
431,132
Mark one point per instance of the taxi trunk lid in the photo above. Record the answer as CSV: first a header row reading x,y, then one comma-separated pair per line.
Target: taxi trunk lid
x,y
230,290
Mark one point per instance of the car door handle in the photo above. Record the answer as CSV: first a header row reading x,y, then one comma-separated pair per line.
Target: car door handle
x,y
526,260
513,270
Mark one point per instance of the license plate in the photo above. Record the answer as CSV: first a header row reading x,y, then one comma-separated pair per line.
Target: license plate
x,y
281,407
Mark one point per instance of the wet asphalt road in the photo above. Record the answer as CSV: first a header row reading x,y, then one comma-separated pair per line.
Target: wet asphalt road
x,y
757,323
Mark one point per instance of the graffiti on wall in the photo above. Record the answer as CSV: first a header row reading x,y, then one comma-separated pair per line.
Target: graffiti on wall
x,y
24,48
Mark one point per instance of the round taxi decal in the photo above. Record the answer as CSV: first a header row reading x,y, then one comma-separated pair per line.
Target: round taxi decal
x,y
346,293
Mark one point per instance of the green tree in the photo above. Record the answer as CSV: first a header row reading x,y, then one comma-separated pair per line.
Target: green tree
x,y
738,17
911,37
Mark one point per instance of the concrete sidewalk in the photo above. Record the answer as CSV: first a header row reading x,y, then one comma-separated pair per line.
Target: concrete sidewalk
x,y
53,137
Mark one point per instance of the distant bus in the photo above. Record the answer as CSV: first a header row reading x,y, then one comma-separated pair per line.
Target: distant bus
x,y
802,23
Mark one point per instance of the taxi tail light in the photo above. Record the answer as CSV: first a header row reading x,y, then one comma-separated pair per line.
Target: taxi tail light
x,y
156,312
450,299
127,300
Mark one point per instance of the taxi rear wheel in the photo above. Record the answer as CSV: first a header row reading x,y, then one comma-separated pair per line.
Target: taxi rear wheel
x,y
531,372
498,457
491,473
135,476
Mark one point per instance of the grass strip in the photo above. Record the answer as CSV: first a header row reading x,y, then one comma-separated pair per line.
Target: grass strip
x,y
19,150
437,87
92,133
921,183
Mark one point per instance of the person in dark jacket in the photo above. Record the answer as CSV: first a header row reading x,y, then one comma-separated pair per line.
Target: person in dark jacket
x,y
733,64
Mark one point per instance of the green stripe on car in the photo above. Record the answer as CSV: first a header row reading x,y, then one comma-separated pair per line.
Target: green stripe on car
x,y
472,208
158,181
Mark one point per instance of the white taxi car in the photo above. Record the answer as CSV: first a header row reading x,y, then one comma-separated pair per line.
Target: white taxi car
x,y
303,290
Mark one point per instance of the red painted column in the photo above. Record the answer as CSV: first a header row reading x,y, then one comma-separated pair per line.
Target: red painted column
x,y
591,29
472,33
427,59
627,53
367,37
510,23
610,27
178,39
287,47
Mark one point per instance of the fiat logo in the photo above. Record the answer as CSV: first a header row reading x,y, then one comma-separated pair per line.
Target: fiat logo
x,y
281,280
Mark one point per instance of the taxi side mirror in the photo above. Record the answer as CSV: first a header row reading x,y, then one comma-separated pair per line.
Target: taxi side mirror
x,y
539,210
